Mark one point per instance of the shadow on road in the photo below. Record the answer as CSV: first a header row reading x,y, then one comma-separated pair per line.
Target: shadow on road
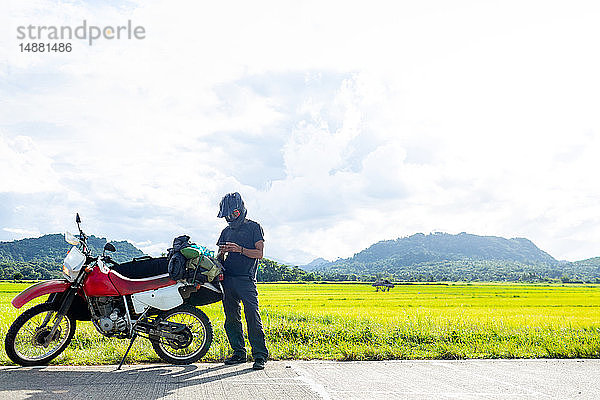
x,y
152,382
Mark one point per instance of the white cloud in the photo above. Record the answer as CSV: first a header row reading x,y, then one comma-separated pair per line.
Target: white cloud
x,y
23,233
25,169
341,123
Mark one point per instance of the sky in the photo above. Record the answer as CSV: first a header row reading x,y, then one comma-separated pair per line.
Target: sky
x,y
341,123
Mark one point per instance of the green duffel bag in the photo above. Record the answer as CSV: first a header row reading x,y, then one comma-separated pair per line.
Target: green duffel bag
x,y
191,252
196,250
205,265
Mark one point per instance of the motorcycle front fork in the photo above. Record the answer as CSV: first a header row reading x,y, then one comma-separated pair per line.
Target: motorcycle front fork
x,y
62,311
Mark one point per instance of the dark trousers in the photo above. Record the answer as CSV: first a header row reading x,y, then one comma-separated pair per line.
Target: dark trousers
x,y
236,289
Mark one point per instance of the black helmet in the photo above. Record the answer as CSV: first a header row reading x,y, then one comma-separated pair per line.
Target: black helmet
x,y
232,209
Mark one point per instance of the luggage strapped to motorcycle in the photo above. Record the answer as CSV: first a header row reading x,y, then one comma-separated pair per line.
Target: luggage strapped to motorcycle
x,y
187,259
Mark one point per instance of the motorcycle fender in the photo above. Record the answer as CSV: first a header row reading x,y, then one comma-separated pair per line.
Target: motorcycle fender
x,y
40,289
164,298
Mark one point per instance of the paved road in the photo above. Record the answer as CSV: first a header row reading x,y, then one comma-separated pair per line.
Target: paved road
x,y
470,379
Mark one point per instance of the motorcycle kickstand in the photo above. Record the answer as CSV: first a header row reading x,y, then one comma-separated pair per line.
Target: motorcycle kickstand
x,y
133,337
127,352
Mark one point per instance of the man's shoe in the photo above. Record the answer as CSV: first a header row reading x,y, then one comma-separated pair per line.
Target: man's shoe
x,y
235,359
259,363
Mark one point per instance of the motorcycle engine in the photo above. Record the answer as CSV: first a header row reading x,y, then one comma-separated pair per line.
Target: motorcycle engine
x,y
109,318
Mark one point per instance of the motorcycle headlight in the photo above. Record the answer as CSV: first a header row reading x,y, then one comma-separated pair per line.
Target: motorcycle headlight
x,y
73,262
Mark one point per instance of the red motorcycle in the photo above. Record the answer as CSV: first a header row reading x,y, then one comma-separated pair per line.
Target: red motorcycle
x,y
124,301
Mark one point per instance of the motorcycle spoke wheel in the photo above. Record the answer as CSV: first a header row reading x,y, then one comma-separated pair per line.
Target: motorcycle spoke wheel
x,y
194,347
25,340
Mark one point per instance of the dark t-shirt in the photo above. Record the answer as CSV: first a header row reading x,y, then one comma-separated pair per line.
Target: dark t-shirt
x,y
246,235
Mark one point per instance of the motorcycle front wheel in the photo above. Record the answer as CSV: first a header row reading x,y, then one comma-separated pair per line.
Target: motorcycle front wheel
x,y
199,336
26,337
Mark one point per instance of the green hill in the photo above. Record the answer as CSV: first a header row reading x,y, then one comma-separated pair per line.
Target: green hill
x,y
420,248
462,257
41,258
583,268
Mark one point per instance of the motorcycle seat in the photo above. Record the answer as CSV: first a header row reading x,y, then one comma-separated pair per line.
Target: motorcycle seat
x,y
141,274
143,268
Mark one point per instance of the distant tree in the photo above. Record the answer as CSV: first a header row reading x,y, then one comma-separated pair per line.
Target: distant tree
x,y
17,276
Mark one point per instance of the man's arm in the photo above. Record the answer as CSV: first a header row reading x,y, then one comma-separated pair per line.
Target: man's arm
x,y
251,253
221,254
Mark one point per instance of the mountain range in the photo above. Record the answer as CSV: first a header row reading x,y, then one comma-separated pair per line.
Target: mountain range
x,y
419,257
446,257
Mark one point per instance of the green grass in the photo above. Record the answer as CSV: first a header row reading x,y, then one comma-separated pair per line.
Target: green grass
x,y
353,322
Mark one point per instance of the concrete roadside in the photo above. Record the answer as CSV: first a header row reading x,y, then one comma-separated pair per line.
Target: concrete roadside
x,y
466,379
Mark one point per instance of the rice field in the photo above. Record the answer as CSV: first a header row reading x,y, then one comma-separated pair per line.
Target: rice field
x,y
353,322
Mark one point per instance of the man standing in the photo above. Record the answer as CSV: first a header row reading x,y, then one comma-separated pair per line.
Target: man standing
x,y
241,245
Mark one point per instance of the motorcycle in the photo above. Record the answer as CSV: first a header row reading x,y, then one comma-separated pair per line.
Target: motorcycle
x,y
126,301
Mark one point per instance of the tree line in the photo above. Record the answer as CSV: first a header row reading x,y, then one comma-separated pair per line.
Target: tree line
x,y
446,271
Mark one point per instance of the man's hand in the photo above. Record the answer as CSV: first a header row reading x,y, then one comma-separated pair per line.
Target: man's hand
x,y
231,247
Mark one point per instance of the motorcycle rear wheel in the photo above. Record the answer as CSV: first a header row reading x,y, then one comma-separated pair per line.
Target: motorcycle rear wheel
x,y
199,342
25,337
